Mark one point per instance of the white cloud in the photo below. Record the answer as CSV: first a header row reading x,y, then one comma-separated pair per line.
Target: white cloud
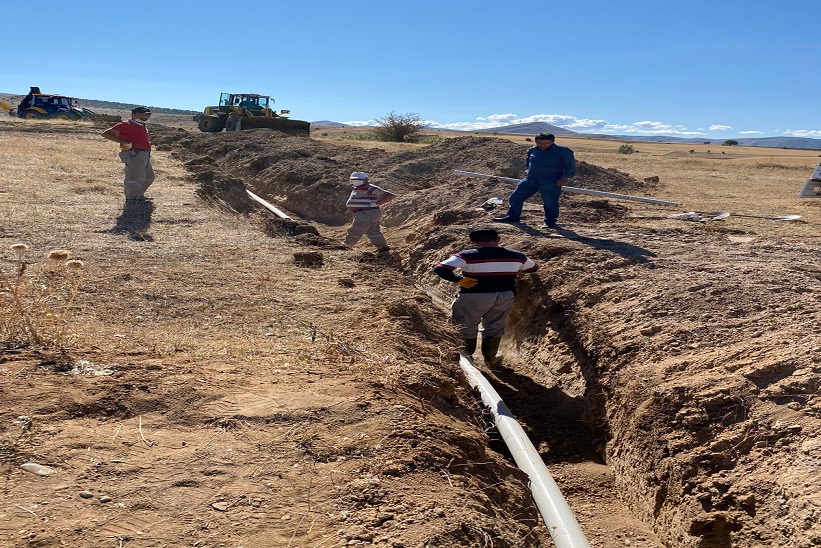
x,y
803,132
359,123
581,125
752,132
717,127
647,127
503,119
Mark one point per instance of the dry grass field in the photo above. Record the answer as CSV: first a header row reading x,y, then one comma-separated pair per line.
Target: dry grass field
x,y
203,387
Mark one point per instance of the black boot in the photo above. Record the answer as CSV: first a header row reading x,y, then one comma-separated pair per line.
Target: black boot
x,y
490,347
470,346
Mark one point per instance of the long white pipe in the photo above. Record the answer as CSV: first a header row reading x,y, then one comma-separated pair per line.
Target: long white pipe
x,y
557,515
268,206
574,189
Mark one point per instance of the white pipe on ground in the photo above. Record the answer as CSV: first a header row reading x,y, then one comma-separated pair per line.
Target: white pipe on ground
x,y
268,206
574,189
557,515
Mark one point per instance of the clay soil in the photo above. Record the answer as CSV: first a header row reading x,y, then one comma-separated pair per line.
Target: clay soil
x,y
215,376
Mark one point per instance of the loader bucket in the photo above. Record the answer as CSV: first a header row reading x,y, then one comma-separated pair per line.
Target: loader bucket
x,y
91,116
286,125
107,118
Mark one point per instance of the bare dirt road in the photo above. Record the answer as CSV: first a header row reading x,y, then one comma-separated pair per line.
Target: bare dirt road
x,y
204,387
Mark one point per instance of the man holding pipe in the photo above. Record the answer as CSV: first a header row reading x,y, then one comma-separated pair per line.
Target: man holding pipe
x,y
549,166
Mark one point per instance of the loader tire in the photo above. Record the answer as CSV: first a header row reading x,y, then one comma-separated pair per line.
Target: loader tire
x,y
211,124
30,115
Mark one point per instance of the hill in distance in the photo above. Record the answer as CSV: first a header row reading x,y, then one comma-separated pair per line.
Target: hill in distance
x,y
771,142
328,123
533,128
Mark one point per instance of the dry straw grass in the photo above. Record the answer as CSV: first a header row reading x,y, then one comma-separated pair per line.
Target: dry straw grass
x,y
202,286
37,302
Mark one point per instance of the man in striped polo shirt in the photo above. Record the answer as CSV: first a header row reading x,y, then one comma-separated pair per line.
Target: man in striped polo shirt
x,y
487,285
364,202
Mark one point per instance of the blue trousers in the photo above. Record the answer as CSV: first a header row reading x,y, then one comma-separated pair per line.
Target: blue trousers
x,y
527,188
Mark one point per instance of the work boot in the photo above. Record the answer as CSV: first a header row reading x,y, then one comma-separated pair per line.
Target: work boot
x,y
490,349
469,347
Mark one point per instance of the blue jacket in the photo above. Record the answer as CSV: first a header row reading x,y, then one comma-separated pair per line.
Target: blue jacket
x,y
552,163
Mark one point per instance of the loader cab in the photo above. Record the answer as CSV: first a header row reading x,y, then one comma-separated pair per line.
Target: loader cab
x,y
53,103
244,100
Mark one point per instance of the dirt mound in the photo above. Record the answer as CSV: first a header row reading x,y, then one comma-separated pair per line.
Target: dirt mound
x,y
685,432
309,178
245,380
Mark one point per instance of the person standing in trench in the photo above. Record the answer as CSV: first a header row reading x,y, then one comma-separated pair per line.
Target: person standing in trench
x,y
487,286
549,166
364,203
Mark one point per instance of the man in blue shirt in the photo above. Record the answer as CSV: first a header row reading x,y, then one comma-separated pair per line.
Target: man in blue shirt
x,y
549,166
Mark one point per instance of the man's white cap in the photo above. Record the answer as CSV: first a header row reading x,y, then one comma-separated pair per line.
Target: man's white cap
x,y
359,176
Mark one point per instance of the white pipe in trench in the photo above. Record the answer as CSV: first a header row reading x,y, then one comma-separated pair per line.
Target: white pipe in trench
x,y
557,515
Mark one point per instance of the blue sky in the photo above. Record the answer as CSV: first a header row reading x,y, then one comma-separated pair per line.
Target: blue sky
x,y
697,68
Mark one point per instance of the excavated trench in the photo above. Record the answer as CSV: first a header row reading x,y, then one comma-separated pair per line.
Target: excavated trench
x,y
584,386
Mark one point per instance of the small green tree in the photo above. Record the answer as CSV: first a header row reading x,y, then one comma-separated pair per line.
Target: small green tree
x,y
398,127
729,143
626,149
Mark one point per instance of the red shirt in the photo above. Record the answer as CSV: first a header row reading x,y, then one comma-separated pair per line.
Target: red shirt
x,y
134,132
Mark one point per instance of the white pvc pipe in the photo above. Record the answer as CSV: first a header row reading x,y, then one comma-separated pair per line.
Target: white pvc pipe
x,y
557,515
268,206
574,189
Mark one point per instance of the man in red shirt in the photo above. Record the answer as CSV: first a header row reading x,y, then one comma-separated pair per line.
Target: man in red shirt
x,y
135,152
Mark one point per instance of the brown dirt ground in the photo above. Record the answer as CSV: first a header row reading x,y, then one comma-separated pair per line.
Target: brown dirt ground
x,y
219,392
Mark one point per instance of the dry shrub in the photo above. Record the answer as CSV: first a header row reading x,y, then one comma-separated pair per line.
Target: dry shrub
x,y
38,301
774,165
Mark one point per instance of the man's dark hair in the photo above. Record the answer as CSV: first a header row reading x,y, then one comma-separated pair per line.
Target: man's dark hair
x,y
545,137
481,235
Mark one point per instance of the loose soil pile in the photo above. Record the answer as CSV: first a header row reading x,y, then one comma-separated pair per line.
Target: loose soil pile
x,y
314,400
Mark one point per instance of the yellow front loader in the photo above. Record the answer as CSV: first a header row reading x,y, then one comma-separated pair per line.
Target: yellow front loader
x,y
237,111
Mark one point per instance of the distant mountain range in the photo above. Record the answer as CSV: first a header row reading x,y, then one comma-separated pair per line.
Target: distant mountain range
x,y
771,142
328,123
532,128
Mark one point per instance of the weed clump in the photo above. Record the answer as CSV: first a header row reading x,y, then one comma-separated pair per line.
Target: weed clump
x,y
37,299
